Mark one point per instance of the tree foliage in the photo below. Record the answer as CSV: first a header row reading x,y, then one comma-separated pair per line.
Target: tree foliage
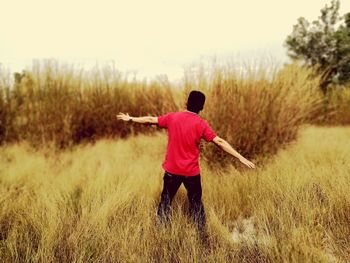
x,y
324,43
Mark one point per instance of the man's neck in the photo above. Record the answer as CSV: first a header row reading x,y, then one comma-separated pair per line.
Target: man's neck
x,y
192,112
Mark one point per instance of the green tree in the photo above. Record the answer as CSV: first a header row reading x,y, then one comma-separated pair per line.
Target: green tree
x,y
324,43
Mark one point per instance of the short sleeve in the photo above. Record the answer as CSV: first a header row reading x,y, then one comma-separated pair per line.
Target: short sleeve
x,y
163,120
208,133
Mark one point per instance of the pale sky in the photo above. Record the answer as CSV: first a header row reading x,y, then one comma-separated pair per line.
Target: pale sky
x,y
151,37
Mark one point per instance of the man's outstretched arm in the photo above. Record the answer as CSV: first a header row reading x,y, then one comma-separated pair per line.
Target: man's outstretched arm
x,y
224,145
143,120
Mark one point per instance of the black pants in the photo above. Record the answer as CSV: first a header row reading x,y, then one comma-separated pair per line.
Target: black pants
x,y
172,182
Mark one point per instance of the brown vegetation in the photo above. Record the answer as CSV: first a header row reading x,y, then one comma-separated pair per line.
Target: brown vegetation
x,y
257,112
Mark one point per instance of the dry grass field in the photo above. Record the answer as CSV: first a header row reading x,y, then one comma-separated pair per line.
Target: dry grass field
x,y
97,203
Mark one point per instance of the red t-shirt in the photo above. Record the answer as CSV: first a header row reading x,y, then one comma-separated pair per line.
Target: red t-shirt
x,y
185,129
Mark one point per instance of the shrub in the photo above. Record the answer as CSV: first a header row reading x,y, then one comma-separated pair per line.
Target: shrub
x,y
257,112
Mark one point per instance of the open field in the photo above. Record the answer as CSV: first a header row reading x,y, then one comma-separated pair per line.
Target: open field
x,y
97,204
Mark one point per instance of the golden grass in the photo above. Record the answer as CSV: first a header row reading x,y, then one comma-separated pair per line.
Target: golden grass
x,y
259,112
97,203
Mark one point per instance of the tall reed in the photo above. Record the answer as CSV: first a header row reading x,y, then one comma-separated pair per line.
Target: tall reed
x,y
258,112
67,105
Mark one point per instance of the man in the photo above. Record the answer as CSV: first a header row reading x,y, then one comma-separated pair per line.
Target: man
x,y
185,130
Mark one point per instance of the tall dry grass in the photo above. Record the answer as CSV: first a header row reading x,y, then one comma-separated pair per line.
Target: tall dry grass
x,y
257,112
336,108
66,105
97,204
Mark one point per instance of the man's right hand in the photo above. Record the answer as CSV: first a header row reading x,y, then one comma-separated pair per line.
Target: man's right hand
x,y
247,162
123,117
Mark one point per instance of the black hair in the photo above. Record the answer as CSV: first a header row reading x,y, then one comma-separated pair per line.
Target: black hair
x,y
195,101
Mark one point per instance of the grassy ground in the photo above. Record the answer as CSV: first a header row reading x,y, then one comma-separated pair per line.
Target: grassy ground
x,y
97,204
